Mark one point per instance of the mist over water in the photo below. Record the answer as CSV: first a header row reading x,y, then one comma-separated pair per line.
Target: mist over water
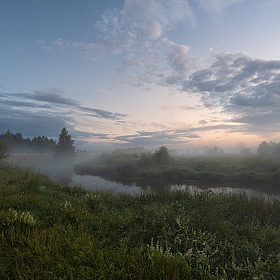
x,y
58,169
138,186
62,171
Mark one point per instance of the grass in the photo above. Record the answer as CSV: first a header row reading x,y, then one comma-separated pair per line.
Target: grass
x,y
50,231
251,169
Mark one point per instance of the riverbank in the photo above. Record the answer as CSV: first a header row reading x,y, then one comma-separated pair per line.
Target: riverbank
x,y
49,230
251,169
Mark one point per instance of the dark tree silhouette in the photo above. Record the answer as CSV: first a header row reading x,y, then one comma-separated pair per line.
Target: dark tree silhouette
x,y
161,155
65,145
264,149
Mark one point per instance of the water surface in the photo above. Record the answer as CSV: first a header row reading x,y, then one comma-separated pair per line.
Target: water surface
x,y
138,186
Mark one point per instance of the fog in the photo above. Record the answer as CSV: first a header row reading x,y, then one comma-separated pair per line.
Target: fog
x,y
59,169
139,169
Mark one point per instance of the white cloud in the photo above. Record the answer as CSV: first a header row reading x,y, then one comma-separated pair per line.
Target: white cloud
x,y
140,22
136,34
242,86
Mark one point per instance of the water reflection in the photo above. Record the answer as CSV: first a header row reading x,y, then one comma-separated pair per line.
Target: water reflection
x,y
62,171
93,183
120,185
138,186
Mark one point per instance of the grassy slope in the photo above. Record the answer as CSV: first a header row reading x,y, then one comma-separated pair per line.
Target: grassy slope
x,y
50,231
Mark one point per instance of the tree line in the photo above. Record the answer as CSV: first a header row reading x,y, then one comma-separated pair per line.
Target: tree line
x,y
16,143
271,149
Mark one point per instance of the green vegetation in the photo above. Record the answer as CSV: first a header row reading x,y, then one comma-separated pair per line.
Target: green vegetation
x,y
3,150
50,231
15,143
270,149
161,165
65,145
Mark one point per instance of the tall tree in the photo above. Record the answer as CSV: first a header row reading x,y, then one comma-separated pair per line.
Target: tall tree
x,y
264,149
65,145
161,155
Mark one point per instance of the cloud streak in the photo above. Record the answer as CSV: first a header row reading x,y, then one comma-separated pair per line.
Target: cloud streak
x,y
156,138
46,113
45,100
174,137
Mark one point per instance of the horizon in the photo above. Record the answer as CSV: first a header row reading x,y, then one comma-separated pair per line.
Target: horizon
x,y
24,147
142,73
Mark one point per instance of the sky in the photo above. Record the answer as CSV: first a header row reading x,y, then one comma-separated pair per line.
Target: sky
x,y
141,73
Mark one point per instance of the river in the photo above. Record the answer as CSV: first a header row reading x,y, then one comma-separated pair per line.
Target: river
x,y
138,186
64,173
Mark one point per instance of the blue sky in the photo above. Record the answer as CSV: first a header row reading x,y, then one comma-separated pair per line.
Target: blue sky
x,y
116,74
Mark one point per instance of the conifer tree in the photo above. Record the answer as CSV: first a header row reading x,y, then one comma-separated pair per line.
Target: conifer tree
x,y
65,145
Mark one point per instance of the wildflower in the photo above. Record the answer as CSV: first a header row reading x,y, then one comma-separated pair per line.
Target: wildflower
x,y
92,196
14,217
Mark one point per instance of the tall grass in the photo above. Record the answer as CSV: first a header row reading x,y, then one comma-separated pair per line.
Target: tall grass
x,y
50,231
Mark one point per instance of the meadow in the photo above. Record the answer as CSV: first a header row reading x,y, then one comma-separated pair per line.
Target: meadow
x,y
51,231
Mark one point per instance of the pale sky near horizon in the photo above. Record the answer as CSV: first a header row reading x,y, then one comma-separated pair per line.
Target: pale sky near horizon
x,y
118,74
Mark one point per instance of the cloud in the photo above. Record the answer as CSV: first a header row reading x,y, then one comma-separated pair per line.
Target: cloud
x,y
191,108
48,98
47,113
98,113
136,34
203,122
23,104
190,131
173,137
32,124
89,135
55,101
53,98
144,19
157,138
242,86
